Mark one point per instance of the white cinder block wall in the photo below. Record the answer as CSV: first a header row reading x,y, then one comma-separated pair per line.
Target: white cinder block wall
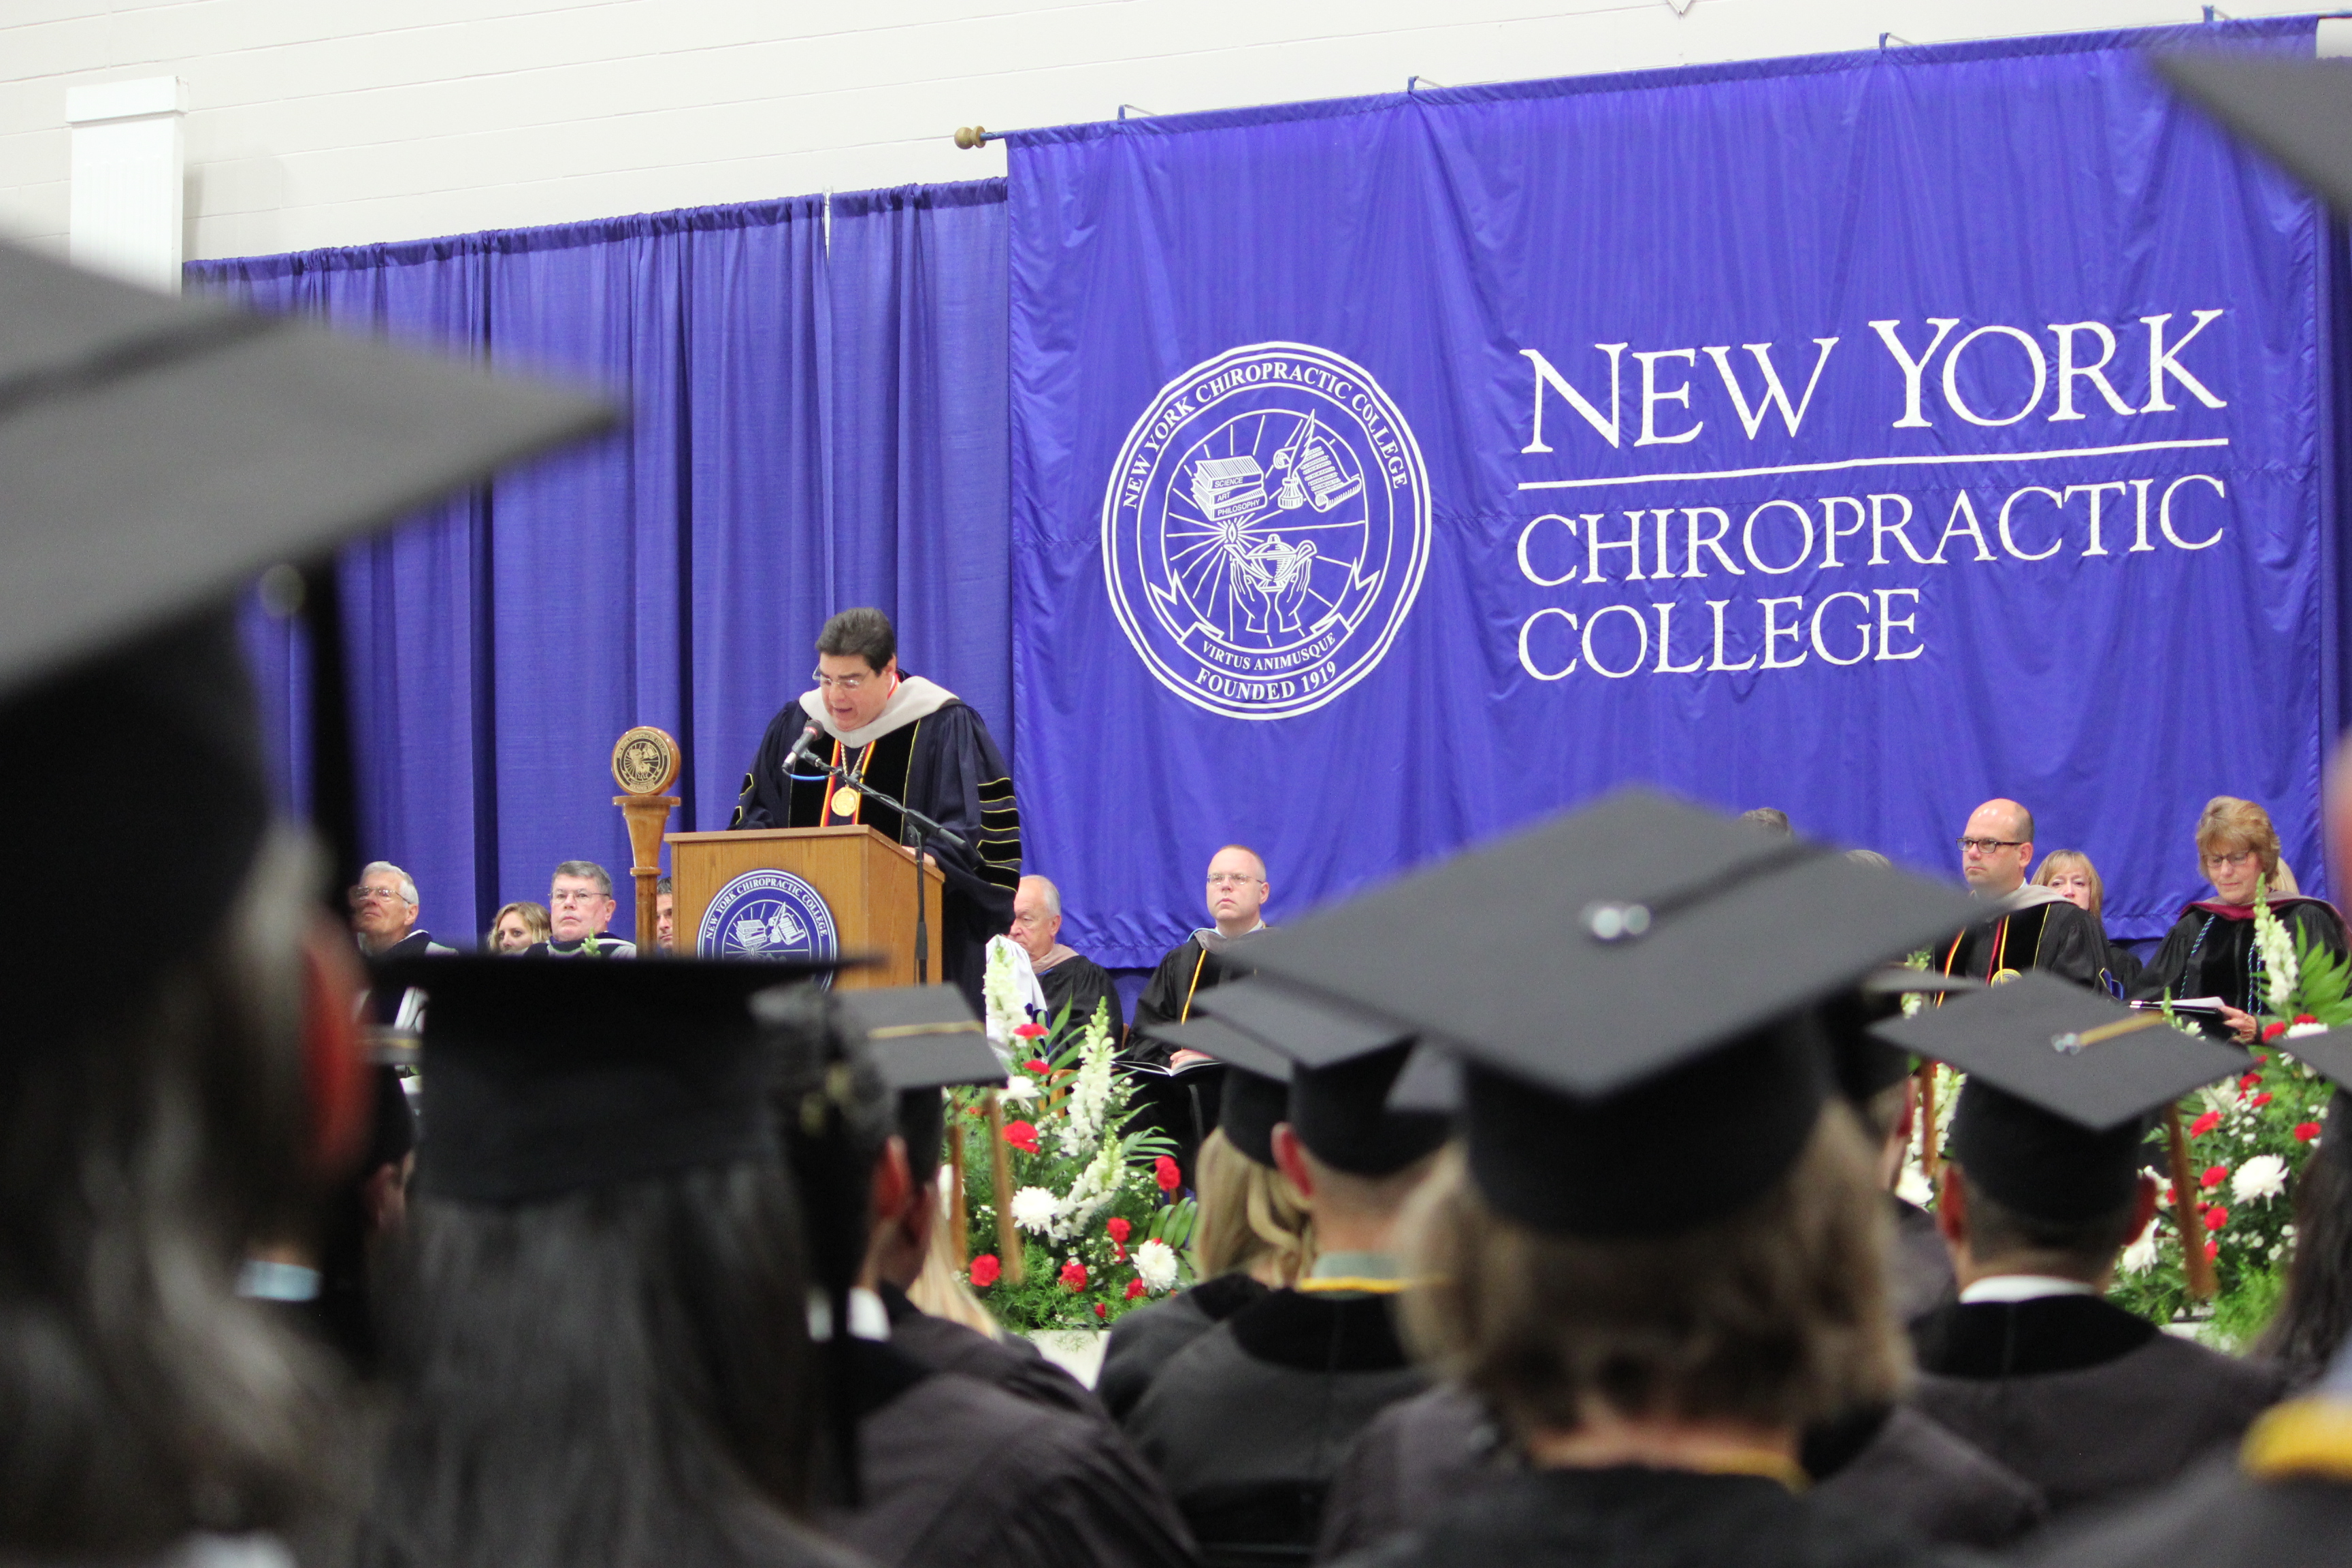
x,y
315,122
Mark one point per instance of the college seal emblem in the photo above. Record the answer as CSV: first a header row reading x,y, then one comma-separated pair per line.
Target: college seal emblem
x,y
767,914
1265,529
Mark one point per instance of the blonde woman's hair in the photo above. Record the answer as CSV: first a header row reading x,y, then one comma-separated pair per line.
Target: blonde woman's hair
x,y
2227,820
1776,1315
2057,860
1251,1217
940,1289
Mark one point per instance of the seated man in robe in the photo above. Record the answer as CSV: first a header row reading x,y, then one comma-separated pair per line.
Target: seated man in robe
x,y
1204,960
2043,1191
2031,927
580,905
1069,979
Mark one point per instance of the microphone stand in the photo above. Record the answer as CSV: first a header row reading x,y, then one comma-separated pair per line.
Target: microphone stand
x,y
920,827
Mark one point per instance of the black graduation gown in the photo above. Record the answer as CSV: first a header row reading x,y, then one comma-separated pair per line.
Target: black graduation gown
x,y
2210,951
1014,1365
956,1473
2080,1397
1918,1266
1187,970
1248,1423
945,765
384,1001
2217,1516
2055,938
1419,1456
1079,984
1146,1338
1635,1518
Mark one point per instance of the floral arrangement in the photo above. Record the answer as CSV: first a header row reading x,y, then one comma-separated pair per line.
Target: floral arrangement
x,y
1094,1209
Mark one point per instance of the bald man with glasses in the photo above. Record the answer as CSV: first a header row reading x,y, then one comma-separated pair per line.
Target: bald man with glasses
x,y
2028,927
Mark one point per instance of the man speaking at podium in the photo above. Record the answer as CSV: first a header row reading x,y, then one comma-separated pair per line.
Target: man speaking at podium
x,y
914,741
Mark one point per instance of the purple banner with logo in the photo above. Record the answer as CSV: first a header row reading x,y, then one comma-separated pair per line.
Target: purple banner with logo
x,y
1864,435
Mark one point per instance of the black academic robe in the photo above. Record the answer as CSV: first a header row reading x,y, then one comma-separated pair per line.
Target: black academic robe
x,y
1188,969
944,764
1079,984
1421,1455
1147,1338
2082,1398
2210,951
2055,938
2217,1516
1249,1423
956,1473
1012,1364
384,1001
1635,1518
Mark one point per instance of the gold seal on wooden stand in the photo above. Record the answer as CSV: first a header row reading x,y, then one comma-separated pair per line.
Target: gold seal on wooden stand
x,y
644,763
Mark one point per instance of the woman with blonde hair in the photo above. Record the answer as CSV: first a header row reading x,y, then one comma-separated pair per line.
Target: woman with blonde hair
x,y
517,927
1254,1236
2211,951
2070,873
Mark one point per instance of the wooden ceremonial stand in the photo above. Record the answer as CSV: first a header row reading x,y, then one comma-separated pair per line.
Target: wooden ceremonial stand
x,y
644,763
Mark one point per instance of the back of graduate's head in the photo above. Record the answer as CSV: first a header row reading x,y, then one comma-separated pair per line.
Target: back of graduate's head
x,y
1773,1315
1251,1219
2028,1191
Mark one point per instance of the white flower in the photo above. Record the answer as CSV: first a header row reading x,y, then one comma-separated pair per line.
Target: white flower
x,y
1032,1208
1155,1265
1913,1186
2277,949
2297,1031
2140,1255
2259,1180
1018,1089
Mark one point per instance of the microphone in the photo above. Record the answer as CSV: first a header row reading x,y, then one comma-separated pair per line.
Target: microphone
x,y
801,746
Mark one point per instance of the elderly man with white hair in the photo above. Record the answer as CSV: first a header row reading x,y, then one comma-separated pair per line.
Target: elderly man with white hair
x,y
1067,977
384,920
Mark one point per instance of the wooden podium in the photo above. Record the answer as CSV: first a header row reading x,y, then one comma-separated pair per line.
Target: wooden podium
x,y
865,879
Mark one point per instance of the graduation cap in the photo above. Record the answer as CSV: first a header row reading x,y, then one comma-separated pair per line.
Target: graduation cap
x,y
544,1078
921,1036
1629,987
2297,110
155,454
1342,1065
1256,1093
2062,1087
1863,1064
1431,1081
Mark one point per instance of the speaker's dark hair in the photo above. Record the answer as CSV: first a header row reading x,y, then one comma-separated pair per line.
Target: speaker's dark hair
x,y
863,633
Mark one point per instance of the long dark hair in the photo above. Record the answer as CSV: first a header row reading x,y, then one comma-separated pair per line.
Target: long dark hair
x,y
142,1146
609,1379
2315,1313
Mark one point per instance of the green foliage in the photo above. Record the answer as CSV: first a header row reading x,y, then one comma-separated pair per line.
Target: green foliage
x,y
1094,1183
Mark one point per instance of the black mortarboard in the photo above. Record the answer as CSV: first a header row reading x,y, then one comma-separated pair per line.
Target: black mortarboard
x,y
543,1078
2297,110
921,1036
1343,1063
1256,1093
2062,1083
1863,1064
155,454
1628,985
1431,1081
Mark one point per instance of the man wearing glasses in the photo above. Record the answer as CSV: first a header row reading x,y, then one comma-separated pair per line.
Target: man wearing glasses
x,y
580,905
2031,927
1206,958
914,741
383,921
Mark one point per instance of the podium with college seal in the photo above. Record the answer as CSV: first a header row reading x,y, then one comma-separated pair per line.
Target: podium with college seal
x,y
797,892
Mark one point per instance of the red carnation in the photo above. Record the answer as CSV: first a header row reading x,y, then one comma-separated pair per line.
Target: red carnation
x,y
2212,1250
1030,1031
1073,1275
2216,1217
2270,1032
1101,1311
1118,1251
2306,1018
1022,1136
984,1270
2260,1099
1164,1172
1038,1064
1134,1288
2204,1124
2214,1176
2304,1131
1119,1229
2252,1078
